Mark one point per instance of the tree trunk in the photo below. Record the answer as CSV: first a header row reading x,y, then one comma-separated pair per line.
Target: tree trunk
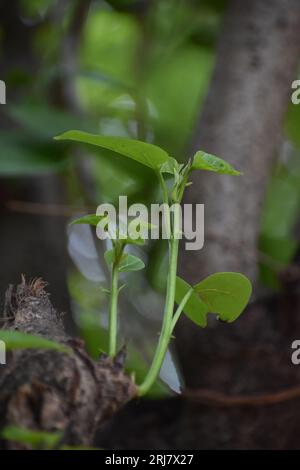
x,y
257,60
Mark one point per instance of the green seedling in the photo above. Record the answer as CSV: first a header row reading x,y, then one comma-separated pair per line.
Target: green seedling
x,y
225,294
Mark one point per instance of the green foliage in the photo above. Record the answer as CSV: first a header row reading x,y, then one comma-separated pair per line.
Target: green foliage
x,y
18,340
45,121
206,161
277,243
22,156
142,152
171,166
226,294
129,90
90,219
195,309
127,262
292,125
37,440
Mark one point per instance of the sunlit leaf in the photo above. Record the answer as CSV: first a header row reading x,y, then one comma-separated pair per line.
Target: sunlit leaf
x,y
206,161
142,152
225,294
195,309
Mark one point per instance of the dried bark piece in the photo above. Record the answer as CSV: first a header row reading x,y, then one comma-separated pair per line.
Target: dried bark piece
x,y
50,390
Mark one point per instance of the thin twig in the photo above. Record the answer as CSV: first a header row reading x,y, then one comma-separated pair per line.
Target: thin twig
x,y
37,208
214,398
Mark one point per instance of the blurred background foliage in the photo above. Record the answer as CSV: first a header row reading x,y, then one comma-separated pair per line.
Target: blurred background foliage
x,y
129,68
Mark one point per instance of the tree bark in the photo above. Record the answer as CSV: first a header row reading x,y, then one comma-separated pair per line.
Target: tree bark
x,y
53,391
257,58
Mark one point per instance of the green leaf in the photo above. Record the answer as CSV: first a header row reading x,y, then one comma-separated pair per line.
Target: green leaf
x,y
21,156
90,219
36,439
195,309
142,152
137,227
18,340
44,121
225,294
109,257
292,124
138,241
128,262
171,166
131,263
206,161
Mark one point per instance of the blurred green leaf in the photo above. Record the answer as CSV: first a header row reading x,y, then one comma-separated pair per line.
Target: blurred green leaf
x,y
277,243
146,154
281,205
18,340
21,156
195,309
44,121
178,106
109,257
90,219
36,439
225,294
275,255
206,161
292,124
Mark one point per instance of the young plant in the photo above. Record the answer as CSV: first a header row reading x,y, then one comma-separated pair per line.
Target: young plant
x,y
224,294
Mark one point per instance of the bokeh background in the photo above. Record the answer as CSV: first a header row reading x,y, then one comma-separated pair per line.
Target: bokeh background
x,y
183,74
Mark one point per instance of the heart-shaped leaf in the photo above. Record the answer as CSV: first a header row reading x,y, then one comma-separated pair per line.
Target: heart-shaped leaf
x,y
18,340
206,161
194,309
225,294
142,152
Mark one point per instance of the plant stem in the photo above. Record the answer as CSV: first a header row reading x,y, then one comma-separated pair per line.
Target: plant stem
x,y
180,308
167,319
113,311
166,202
167,323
